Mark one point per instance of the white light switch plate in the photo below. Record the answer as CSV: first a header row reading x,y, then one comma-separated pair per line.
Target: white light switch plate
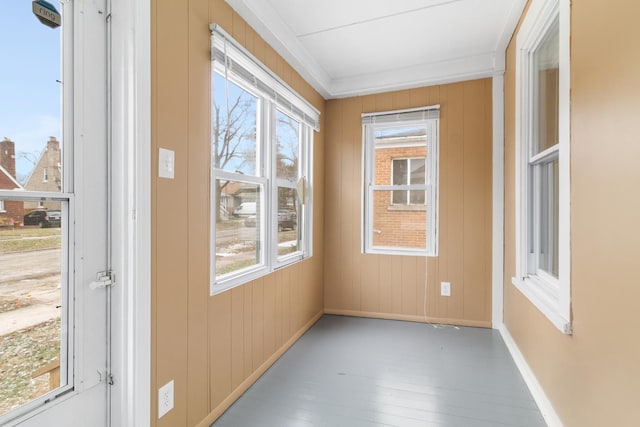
x,y
166,162
445,289
165,399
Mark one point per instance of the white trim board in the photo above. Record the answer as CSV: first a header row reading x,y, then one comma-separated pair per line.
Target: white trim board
x,y
497,256
543,402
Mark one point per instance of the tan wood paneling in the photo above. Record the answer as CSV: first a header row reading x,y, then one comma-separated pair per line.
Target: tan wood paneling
x,y
591,378
395,285
213,348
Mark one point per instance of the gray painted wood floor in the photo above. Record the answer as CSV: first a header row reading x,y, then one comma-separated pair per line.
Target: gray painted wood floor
x,y
355,372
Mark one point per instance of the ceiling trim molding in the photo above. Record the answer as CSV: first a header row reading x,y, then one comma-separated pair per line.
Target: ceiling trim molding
x,y
429,74
269,25
266,22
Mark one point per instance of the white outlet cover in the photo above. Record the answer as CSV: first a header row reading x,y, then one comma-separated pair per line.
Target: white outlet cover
x,y
165,399
445,289
166,163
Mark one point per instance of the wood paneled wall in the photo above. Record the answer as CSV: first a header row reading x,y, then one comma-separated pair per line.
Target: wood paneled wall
x,y
212,347
404,287
592,377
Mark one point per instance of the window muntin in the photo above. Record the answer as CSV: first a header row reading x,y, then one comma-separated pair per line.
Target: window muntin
x,y
400,201
542,222
273,152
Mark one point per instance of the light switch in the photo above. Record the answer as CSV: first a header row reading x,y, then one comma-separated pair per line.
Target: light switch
x,y
166,161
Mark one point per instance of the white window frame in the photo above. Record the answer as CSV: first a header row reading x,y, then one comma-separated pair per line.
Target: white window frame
x,y
424,116
552,296
244,70
2,209
45,175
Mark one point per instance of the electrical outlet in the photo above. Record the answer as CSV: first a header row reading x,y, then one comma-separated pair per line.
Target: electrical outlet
x,y
445,289
166,162
165,399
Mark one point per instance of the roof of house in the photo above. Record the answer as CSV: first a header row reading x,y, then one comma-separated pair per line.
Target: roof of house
x,y
16,184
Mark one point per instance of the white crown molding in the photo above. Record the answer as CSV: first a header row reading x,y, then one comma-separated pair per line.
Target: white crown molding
x,y
433,73
266,22
269,25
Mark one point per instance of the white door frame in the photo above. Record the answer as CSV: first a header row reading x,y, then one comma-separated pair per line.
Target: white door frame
x,y
131,244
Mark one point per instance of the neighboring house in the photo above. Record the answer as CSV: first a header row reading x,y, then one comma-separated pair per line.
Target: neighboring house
x,y
11,212
400,217
46,175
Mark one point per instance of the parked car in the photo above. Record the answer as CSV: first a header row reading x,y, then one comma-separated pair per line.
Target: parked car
x,y
245,209
43,219
287,220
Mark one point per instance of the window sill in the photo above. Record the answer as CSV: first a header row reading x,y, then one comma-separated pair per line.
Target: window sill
x,y
253,273
539,294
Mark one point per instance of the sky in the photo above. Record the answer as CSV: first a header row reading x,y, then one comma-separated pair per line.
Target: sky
x,y
29,94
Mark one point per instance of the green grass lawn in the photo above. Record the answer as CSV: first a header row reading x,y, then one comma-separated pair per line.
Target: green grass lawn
x,y
29,239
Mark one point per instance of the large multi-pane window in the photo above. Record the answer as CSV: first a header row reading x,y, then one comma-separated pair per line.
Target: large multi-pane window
x,y
542,165
262,134
400,182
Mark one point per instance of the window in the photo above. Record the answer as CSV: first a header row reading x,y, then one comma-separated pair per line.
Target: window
x,y
262,134
543,161
408,172
400,182
2,206
45,175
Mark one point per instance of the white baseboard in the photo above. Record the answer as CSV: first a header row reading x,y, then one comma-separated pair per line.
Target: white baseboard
x,y
544,404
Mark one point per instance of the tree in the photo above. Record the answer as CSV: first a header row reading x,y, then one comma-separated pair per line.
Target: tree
x,y
233,131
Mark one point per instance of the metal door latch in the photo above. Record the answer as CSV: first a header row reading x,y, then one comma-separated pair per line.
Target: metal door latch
x,y
103,279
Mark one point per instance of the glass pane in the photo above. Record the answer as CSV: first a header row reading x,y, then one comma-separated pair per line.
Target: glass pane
x,y
238,226
546,60
417,197
549,218
418,171
234,128
393,148
288,147
288,229
31,303
33,299
400,174
30,116
397,228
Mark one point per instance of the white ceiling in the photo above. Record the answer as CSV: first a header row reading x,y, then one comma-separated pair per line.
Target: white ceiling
x,y
354,47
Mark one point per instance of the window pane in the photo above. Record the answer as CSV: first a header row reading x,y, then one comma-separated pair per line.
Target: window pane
x,y
32,304
288,147
549,217
397,228
400,174
238,226
546,60
288,229
418,171
234,128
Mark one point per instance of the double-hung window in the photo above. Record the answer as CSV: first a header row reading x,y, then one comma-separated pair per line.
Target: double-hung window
x,y
543,161
261,188
400,159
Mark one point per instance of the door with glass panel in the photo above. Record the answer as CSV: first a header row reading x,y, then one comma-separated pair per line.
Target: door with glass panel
x,y
54,252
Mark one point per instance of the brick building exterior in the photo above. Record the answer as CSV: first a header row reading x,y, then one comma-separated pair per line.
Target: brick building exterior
x,y
11,212
397,224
